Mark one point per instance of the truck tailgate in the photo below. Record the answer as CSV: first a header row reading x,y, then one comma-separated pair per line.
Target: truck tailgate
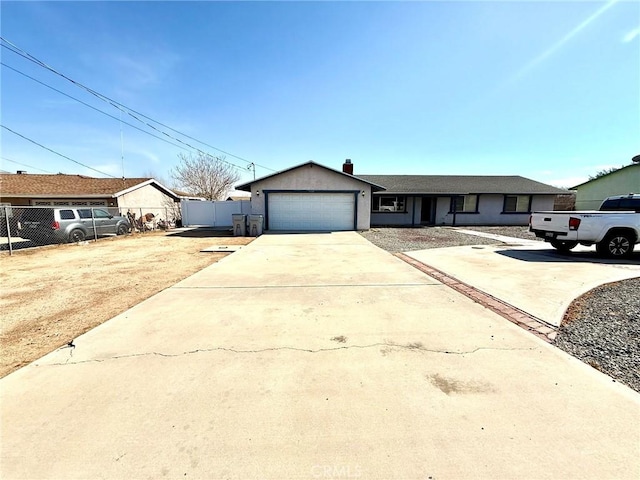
x,y
557,222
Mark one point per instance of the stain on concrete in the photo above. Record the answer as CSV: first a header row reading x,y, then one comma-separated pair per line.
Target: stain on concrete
x,y
453,386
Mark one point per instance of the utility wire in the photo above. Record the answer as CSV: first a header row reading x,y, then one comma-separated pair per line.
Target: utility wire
x,y
24,165
18,51
92,107
57,153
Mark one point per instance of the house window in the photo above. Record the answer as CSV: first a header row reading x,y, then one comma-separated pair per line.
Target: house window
x,y
388,203
464,204
517,204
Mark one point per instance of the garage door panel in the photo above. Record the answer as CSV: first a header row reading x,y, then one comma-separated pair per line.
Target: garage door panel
x,y
311,211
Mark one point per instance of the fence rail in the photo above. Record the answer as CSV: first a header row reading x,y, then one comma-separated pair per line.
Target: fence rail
x,y
26,227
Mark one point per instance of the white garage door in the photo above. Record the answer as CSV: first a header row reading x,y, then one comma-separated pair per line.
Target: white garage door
x,y
311,211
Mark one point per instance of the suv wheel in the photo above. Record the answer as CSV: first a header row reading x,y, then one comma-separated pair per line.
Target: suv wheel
x,y
122,230
76,236
616,245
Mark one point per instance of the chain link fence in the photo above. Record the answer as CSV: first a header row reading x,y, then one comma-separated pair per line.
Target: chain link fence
x,y
27,227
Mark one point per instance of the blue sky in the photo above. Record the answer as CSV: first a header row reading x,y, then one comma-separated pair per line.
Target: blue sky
x,y
547,90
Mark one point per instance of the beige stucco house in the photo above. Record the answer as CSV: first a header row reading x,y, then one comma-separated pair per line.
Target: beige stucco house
x,y
314,197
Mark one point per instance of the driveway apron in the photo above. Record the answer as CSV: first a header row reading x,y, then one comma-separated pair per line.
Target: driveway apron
x,y
314,356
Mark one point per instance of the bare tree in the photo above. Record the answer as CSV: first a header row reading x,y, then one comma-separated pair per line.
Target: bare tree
x,y
205,175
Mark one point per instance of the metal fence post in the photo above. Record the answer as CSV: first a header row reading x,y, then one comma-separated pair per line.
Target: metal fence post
x,y
93,222
6,218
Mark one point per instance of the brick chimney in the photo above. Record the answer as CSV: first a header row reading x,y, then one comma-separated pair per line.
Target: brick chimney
x,y
347,166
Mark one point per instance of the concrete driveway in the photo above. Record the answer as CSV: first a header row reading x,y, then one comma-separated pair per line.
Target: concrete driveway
x,y
314,356
529,274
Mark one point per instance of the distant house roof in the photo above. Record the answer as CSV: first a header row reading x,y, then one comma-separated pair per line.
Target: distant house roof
x,y
247,186
461,184
606,175
71,186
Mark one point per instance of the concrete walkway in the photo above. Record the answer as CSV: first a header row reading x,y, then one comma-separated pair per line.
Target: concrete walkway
x,y
314,356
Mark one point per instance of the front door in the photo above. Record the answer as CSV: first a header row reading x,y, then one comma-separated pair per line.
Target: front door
x,y
426,211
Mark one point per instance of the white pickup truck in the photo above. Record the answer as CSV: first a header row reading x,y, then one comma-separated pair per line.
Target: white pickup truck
x,y
614,229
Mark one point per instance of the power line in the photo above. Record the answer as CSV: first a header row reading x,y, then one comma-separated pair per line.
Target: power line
x,y
92,107
24,165
18,51
57,153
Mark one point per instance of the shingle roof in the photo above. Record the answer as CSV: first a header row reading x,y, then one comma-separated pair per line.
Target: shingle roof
x,y
61,185
461,184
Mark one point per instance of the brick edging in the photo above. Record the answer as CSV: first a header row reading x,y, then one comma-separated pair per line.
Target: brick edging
x,y
538,327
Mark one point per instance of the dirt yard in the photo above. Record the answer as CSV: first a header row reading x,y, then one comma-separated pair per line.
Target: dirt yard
x,y
51,295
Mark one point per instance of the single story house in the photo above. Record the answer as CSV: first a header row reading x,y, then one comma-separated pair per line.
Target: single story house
x,y
311,197
589,195
117,194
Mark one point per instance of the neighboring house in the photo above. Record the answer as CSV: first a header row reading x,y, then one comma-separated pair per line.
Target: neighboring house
x,y
589,195
22,189
314,197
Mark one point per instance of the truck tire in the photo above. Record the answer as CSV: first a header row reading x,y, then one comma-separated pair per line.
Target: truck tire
x,y
563,246
616,245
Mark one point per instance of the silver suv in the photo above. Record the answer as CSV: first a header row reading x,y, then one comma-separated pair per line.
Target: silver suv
x,y
62,224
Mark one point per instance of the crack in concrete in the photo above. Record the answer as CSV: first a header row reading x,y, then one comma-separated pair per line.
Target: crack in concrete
x,y
411,347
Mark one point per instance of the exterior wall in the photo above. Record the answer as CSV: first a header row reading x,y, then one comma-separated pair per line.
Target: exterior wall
x,y
397,218
590,195
149,199
489,212
313,177
16,201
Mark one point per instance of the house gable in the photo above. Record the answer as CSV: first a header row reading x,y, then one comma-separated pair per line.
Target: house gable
x,y
590,195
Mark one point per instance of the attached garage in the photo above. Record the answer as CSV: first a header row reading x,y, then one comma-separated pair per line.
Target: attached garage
x,y
309,211
311,197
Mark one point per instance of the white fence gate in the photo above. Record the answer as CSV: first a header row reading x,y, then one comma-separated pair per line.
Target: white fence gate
x,y
212,214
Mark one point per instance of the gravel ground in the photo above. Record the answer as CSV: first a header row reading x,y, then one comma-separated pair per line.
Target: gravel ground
x,y
396,240
601,328
517,232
